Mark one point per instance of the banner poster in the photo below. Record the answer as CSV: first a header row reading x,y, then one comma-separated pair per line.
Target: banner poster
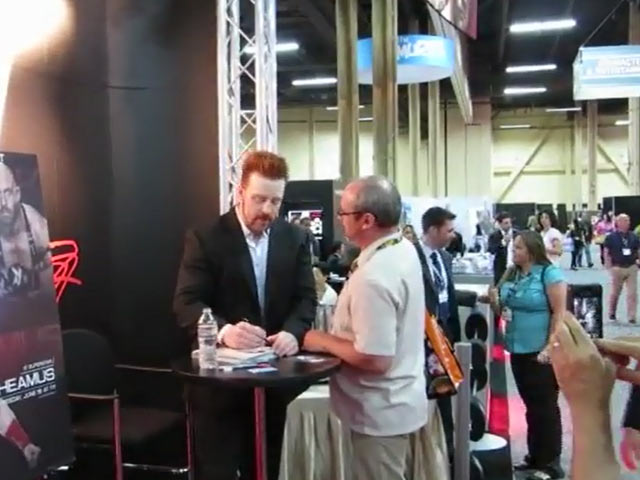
x,y
35,429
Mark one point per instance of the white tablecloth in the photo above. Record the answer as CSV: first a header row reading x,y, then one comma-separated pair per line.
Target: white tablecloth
x,y
317,447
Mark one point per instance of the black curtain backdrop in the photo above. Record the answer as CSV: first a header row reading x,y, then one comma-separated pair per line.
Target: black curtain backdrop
x,y
120,109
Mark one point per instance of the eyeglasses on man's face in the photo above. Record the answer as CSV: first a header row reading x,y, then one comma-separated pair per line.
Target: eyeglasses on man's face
x,y
342,213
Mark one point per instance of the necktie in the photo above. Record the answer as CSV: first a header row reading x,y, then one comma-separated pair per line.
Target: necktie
x,y
438,274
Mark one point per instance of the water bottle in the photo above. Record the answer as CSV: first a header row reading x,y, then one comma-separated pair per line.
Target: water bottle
x,y
207,340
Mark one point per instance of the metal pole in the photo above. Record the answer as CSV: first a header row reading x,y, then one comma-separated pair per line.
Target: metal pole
x,y
592,134
433,102
385,105
414,134
243,129
414,123
311,126
463,414
634,108
578,159
348,98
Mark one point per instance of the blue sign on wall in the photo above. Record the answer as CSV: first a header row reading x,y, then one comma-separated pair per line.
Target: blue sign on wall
x,y
421,58
607,72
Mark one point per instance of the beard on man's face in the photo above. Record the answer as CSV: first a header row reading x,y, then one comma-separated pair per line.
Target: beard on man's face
x,y
8,217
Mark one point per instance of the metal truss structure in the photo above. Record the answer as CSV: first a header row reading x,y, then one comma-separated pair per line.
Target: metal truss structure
x,y
247,87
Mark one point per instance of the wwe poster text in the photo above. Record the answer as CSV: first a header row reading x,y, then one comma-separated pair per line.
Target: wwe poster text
x,y
35,428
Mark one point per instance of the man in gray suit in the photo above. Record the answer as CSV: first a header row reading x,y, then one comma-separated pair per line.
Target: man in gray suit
x,y
439,289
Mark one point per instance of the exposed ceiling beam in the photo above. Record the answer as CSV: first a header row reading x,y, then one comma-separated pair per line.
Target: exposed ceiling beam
x,y
517,171
504,28
324,28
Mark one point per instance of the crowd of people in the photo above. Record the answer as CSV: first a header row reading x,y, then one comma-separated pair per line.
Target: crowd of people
x,y
256,271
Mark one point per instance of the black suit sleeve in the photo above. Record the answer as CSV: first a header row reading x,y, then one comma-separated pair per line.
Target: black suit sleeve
x,y
196,279
303,307
632,415
495,243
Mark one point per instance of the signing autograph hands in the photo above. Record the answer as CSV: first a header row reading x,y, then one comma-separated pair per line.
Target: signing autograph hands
x,y
243,335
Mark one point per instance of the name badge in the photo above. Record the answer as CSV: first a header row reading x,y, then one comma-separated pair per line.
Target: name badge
x,y
443,297
626,252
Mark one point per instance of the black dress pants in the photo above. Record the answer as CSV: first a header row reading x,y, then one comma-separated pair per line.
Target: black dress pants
x,y
223,424
538,388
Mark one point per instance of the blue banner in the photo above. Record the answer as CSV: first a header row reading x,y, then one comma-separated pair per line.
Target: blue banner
x,y
607,72
420,58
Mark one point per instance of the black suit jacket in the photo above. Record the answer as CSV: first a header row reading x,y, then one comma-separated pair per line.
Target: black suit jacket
x,y
216,271
500,253
451,325
632,416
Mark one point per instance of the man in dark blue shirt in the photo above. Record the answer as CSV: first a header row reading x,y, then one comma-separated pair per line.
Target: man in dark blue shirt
x,y
621,259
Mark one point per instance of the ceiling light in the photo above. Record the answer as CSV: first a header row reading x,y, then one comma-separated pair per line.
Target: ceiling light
x,y
304,82
513,127
524,90
564,109
622,123
335,107
366,119
531,68
542,26
280,48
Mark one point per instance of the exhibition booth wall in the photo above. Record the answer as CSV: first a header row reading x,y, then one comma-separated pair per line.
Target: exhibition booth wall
x,y
120,110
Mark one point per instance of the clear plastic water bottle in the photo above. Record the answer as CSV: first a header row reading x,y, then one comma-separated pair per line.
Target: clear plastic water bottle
x,y
207,340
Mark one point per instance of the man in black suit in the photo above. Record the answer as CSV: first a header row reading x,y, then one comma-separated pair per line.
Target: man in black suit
x,y
500,245
254,271
439,289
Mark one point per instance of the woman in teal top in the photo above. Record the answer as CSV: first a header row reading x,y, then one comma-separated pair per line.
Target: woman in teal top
x,y
531,298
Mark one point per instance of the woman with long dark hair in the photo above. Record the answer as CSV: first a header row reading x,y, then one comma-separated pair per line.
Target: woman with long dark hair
x,y
551,235
577,234
604,227
531,298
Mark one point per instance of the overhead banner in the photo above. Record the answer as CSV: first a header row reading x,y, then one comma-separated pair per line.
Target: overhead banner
x,y
35,429
420,58
607,72
462,14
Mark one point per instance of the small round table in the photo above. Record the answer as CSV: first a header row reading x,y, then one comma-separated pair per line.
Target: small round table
x,y
305,367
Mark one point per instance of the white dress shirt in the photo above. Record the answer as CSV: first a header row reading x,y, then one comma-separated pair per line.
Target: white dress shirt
x,y
443,272
258,249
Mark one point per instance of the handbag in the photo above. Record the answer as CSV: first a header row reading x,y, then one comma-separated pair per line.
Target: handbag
x,y
443,372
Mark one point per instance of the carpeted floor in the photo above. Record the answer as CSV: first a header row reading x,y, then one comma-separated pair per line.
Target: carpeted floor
x,y
517,425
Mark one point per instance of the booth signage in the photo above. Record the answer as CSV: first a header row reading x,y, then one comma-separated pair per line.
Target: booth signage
x,y
35,426
420,58
607,72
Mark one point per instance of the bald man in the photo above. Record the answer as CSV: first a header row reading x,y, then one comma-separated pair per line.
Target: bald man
x,y
25,261
11,429
621,259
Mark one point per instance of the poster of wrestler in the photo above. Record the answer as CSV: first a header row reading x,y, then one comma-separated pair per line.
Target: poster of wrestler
x,y
35,433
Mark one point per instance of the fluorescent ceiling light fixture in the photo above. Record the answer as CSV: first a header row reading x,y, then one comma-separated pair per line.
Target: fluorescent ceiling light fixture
x,y
335,107
513,127
280,48
542,26
304,82
622,123
563,109
366,119
531,68
524,90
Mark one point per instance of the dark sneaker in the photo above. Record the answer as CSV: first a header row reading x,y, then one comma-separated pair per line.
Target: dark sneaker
x,y
524,465
632,321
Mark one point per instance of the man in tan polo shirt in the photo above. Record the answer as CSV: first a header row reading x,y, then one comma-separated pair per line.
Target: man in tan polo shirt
x,y
377,331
